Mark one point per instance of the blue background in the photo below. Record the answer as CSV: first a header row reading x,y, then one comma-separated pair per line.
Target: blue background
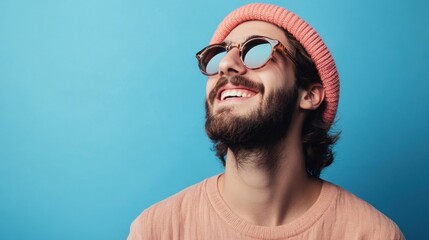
x,y
101,109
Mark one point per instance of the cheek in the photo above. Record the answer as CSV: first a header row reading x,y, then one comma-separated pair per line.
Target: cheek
x,y
278,78
273,80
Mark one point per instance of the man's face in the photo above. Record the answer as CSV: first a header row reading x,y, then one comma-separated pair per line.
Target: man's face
x,y
275,75
265,92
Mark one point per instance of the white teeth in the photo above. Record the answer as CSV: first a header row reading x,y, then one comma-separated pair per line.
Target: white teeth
x,y
234,93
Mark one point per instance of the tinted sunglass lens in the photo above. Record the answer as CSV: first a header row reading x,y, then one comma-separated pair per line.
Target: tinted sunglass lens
x,y
212,58
256,53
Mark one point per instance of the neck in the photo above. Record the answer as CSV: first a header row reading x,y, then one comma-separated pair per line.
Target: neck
x,y
269,186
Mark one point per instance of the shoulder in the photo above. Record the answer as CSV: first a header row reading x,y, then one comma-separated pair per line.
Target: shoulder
x,y
177,203
357,216
168,212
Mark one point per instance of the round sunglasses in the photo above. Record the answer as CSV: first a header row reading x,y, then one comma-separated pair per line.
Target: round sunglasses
x,y
255,52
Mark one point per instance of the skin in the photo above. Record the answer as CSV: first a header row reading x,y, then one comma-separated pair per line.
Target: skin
x,y
259,196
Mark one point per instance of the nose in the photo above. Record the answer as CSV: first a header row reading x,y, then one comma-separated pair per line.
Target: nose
x,y
231,64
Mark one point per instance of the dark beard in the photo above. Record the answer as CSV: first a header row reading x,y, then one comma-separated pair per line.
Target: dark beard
x,y
261,130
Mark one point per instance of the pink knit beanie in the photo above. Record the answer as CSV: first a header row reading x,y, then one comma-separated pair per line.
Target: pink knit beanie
x,y
303,32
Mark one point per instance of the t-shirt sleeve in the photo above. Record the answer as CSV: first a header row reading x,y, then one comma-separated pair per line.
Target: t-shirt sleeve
x,y
150,224
136,229
398,234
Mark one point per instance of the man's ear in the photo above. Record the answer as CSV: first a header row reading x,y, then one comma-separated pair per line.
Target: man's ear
x,y
312,97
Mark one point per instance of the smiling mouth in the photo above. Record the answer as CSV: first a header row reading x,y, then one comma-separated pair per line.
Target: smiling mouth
x,y
235,93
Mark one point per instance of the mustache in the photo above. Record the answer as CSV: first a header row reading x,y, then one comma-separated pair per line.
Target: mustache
x,y
236,80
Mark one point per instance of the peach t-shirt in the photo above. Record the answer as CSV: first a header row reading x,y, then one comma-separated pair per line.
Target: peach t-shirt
x,y
199,212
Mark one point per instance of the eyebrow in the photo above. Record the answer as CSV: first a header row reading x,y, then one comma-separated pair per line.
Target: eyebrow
x,y
227,42
252,36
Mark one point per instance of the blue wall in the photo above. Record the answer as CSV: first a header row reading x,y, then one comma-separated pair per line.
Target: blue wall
x,y
101,108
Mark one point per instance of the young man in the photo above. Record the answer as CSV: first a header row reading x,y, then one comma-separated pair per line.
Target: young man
x,y
272,95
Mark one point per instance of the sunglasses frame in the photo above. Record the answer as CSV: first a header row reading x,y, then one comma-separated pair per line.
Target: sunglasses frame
x,y
275,44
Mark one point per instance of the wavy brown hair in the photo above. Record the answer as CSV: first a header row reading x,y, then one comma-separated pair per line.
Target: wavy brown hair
x,y
317,140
